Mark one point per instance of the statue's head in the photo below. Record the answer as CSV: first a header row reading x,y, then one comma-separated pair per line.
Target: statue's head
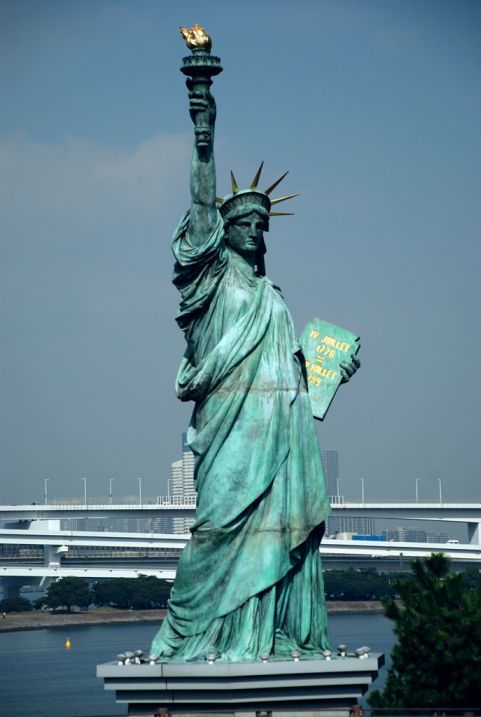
x,y
246,215
244,233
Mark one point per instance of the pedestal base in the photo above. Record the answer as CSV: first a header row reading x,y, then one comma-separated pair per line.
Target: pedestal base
x,y
311,688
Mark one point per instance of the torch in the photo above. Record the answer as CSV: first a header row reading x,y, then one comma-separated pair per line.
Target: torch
x,y
200,67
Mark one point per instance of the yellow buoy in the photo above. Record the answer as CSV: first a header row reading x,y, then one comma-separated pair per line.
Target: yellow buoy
x,y
68,644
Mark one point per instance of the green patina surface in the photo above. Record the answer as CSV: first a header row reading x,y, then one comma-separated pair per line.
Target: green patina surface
x,y
325,346
249,581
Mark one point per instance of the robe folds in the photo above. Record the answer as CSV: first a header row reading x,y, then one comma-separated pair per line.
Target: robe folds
x,y
249,581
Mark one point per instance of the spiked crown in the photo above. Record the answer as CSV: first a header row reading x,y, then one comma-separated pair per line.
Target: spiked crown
x,y
243,200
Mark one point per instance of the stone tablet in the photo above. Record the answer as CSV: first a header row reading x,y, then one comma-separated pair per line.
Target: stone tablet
x,y
324,346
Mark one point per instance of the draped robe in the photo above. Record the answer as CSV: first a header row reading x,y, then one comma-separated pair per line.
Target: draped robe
x,y
249,581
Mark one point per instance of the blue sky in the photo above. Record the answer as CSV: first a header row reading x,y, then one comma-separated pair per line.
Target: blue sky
x,y
374,107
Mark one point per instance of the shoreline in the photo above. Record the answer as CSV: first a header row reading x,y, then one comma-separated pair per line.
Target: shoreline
x,y
16,622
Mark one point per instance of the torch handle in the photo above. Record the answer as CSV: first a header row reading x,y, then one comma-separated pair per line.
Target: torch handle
x,y
203,121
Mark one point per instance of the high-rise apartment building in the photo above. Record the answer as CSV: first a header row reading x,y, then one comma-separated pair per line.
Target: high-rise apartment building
x,y
330,464
359,525
182,484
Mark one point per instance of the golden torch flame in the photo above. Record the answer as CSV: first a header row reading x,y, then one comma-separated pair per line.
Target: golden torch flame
x,y
196,37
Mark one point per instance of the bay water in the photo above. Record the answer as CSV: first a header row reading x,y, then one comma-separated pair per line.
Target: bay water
x,y
40,677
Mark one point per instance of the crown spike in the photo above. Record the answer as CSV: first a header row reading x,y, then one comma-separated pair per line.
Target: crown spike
x,y
278,181
281,214
283,199
235,188
255,181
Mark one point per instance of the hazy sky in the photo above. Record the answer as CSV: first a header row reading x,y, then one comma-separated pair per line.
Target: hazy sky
x,y
374,107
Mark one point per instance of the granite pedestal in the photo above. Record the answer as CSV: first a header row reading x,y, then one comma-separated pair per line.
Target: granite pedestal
x,y
271,689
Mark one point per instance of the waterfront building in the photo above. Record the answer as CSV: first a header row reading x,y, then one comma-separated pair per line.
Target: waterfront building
x,y
334,525
414,535
352,525
182,484
330,464
157,524
437,537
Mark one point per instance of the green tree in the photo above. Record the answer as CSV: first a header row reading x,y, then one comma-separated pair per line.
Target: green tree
x,y
144,592
115,592
436,661
67,592
363,584
17,604
150,592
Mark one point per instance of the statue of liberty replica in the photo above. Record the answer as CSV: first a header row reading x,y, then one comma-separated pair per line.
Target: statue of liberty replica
x,y
249,582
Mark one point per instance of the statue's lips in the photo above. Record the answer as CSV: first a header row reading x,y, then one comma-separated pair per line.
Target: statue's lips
x,y
251,243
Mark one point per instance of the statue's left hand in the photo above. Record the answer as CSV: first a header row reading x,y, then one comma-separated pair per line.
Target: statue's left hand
x,y
349,368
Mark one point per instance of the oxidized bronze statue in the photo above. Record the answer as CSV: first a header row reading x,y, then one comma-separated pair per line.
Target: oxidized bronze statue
x,y
249,581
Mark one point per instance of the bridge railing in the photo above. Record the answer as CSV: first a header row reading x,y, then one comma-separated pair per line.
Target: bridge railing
x,y
99,503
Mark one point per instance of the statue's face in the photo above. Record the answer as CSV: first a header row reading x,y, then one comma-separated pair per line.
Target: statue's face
x,y
245,235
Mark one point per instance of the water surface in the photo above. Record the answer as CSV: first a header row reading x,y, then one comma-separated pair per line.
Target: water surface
x,y
39,677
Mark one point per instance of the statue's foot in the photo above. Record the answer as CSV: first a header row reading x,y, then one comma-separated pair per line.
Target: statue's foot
x,y
163,654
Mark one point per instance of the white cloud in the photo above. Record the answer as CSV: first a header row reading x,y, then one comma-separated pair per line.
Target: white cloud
x,y
58,185
85,226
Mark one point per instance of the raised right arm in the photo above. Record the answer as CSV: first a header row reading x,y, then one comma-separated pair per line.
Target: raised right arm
x,y
203,212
